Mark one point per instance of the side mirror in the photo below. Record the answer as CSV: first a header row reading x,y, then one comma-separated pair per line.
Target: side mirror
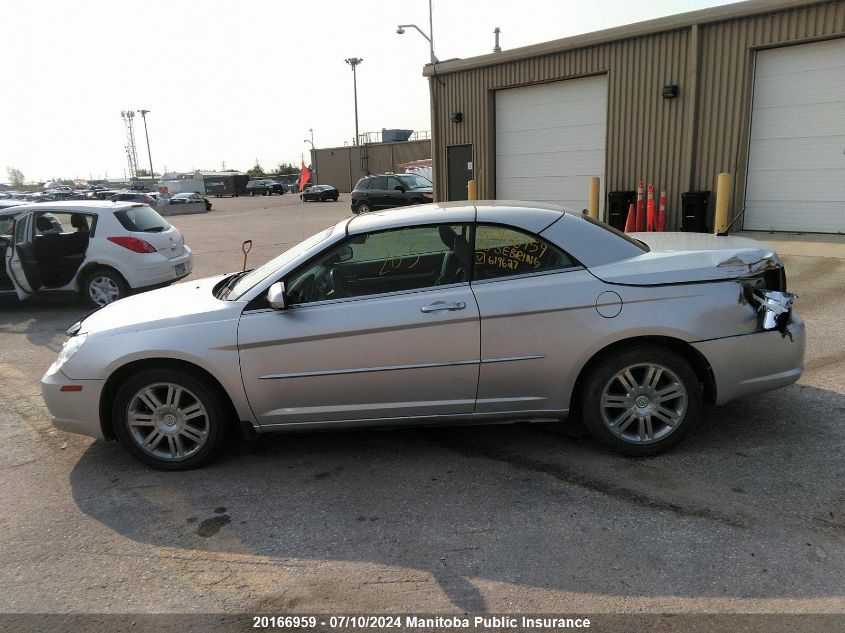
x,y
399,188
276,296
344,254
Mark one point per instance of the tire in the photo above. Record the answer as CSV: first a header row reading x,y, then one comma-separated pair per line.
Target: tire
x,y
252,193
335,199
624,407
102,286
200,432
363,207
267,192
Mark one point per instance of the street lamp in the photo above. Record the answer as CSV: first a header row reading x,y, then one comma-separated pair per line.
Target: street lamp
x,y
430,37
354,61
313,150
144,114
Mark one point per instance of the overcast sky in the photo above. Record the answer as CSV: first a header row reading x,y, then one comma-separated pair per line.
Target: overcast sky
x,y
235,81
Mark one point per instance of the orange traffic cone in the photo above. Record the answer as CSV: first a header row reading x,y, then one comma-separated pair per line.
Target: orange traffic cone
x,y
661,216
650,223
631,221
639,218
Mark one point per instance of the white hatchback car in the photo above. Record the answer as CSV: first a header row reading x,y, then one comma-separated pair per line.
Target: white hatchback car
x,y
105,250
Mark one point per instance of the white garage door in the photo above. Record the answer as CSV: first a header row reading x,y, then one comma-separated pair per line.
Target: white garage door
x,y
796,162
550,139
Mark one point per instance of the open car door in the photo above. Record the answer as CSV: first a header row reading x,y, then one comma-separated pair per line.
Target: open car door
x,y
21,264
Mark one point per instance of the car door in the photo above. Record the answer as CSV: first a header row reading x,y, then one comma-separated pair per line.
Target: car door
x,y
537,307
377,193
21,263
395,193
373,331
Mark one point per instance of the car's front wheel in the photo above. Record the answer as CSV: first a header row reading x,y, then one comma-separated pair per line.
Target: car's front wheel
x,y
102,286
363,208
642,400
252,192
169,419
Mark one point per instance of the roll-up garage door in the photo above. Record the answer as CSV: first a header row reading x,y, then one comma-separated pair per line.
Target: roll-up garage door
x,y
550,138
796,160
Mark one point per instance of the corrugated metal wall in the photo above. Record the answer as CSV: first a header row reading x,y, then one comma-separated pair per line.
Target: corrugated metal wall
x,y
678,144
726,84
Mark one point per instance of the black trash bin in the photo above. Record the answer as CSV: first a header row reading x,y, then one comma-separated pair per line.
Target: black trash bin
x,y
694,212
617,207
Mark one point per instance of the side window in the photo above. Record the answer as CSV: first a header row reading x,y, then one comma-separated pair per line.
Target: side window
x,y
502,252
393,183
379,182
386,261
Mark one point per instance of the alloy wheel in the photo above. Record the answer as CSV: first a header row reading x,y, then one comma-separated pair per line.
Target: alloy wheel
x,y
644,403
167,421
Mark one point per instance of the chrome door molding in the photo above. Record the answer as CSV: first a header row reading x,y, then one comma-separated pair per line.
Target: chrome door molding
x,y
364,370
510,359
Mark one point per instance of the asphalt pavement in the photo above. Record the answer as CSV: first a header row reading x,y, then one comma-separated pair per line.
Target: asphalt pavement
x,y
747,515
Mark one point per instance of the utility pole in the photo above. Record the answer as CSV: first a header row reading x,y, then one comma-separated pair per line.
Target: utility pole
x,y
354,61
144,114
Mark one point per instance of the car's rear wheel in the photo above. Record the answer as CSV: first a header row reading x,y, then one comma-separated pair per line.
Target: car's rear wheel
x,y
267,192
102,286
641,401
169,419
363,208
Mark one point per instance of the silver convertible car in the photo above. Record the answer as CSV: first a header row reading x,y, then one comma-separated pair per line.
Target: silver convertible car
x,y
446,313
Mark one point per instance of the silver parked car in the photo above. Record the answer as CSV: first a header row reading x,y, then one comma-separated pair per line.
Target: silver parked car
x,y
456,312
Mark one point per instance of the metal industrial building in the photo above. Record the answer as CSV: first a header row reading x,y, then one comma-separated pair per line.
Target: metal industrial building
x,y
755,89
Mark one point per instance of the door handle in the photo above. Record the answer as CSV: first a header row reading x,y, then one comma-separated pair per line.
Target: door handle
x,y
442,306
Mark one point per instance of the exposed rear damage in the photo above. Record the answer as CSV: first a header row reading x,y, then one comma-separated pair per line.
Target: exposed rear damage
x,y
694,258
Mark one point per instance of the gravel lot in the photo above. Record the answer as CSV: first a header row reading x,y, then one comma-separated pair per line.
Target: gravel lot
x,y
746,516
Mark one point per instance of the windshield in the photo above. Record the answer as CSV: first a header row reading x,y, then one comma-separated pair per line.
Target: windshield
x,y
413,181
262,272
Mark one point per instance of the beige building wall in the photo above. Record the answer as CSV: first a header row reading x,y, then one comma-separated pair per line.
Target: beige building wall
x,y
679,144
344,166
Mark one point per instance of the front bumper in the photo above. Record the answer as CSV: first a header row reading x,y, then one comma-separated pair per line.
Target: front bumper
x,y
753,363
73,411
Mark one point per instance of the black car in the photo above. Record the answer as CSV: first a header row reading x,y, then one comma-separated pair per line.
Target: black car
x,y
390,190
187,198
133,197
265,186
319,193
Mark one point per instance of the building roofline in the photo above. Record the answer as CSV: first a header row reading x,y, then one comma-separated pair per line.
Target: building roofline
x,y
638,29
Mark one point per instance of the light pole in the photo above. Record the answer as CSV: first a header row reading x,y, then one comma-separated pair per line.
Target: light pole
x,y
314,165
144,114
430,37
354,61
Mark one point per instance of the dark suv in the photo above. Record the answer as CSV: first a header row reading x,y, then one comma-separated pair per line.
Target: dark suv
x,y
265,186
390,190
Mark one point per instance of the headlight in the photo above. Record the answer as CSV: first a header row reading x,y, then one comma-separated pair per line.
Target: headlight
x,y
70,348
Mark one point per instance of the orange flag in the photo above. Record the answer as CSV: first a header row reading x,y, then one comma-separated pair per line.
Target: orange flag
x,y
304,176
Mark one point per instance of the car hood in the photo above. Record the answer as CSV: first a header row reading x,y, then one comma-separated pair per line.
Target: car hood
x,y
181,304
690,257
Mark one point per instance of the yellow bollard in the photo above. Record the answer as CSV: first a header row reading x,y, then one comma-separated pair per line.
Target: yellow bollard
x,y
594,197
472,190
723,195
